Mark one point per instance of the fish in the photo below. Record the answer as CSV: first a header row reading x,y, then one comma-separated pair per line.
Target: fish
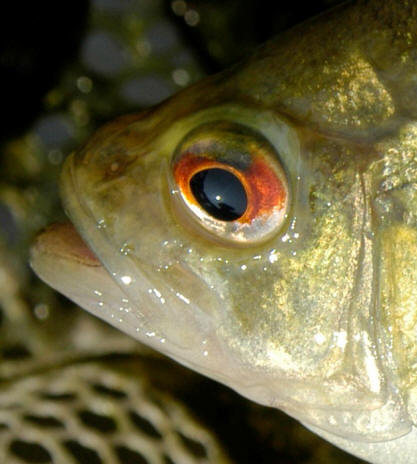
x,y
260,227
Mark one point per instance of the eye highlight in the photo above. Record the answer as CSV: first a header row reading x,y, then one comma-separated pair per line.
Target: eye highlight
x,y
231,183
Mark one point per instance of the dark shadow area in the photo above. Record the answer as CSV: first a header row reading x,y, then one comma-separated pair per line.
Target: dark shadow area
x,y
37,39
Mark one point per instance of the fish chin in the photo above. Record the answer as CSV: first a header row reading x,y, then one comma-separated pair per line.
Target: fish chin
x,y
62,260
131,301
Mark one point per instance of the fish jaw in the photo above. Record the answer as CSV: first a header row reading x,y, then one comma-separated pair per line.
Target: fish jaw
x,y
62,258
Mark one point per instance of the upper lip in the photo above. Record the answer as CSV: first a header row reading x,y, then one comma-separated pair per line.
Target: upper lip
x,y
63,240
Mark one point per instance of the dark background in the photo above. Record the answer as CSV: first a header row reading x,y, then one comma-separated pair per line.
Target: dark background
x,y
39,39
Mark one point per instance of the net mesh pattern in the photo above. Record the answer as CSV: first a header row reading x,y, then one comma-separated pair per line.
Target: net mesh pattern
x,y
90,413
75,390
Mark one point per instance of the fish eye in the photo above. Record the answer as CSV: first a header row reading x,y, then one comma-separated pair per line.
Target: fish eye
x,y
220,193
231,183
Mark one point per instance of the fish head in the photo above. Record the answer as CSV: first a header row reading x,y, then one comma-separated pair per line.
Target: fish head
x,y
259,227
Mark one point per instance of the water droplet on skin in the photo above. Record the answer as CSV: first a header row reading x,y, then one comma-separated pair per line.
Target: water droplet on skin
x,y
126,249
101,224
127,280
182,297
319,338
243,267
273,256
97,292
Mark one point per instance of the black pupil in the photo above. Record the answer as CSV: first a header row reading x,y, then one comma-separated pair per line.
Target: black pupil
x,y
220,193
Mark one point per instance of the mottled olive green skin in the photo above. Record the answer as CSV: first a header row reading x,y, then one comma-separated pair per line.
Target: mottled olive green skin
x,y
321,319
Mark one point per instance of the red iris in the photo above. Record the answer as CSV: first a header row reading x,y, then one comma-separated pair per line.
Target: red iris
x,y
264,189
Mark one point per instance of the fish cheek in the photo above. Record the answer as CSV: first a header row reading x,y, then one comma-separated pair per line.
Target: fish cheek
x,y
301,284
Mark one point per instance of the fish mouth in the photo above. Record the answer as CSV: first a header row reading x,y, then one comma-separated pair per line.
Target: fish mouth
x,y
63,241
60,257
